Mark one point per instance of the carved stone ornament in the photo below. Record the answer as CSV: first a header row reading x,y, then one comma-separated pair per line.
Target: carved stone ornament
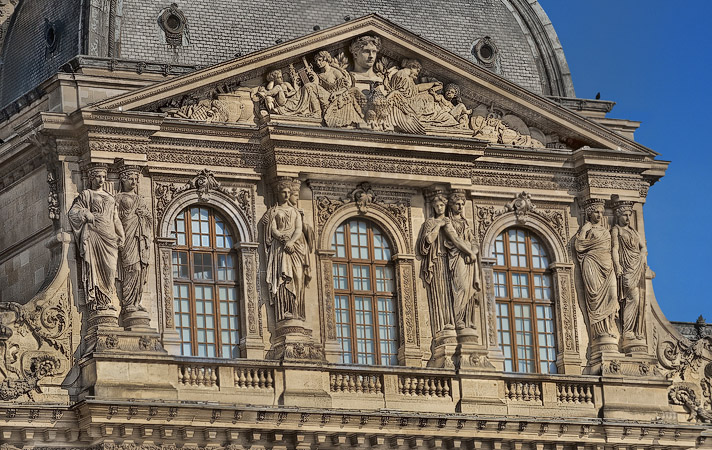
x,y
203,183
689,365
362,196
134,254
98,234
34,344
394,203
358,87
521,206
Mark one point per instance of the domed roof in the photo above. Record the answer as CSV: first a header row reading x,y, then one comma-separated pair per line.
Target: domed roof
x,y
513,38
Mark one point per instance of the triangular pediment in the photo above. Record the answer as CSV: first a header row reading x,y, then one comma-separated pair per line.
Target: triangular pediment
x,y
411,86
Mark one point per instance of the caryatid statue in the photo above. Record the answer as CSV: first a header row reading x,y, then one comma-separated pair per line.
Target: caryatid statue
x,y
134,254
629,262
593,248
435,264
287,255
463,263
98,233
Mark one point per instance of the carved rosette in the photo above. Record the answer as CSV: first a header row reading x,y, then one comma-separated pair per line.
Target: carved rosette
x,y
568,359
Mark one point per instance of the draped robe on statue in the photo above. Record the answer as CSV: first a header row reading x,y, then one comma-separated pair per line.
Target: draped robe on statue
x,y
97,243
434,269
464,277
136,220
285,271
632,262
594,254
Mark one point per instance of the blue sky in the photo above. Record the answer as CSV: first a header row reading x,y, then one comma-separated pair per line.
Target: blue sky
x,y
654,58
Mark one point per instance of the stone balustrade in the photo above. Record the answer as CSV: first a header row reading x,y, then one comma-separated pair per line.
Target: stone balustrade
x,y
353,382
267,383
254,378
574,393
524,391
424,386
197,376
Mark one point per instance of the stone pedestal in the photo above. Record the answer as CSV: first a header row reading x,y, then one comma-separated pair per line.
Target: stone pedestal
x,y
135,320
293,342
460,350
633,346
603,351
102,322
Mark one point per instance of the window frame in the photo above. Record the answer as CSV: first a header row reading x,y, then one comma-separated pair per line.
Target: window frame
x,y
192,282
510,302
374,294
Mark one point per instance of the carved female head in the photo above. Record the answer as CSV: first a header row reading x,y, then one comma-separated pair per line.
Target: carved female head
x,y
97,177
594,212
295,186
623,212
456,202
283,191
323,58
439,203
129,179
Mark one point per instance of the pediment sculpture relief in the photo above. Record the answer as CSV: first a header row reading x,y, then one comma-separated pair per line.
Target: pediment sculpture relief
x,y
367,91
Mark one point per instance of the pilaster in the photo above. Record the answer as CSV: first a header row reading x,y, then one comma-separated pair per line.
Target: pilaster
x,y
169,335
568,359
251,345
409,352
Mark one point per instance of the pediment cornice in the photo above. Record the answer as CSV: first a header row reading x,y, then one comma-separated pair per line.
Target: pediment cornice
x,y
527,119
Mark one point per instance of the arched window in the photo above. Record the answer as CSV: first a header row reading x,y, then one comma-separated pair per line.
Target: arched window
x,y
522,284
364,295
205,285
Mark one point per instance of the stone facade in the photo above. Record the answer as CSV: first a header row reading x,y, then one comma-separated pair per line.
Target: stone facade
x,y
359,165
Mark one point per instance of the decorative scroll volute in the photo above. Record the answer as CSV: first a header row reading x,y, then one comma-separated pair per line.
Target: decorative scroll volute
x,y
34,344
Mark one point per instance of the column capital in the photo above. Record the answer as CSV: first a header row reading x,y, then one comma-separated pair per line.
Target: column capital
x,y
166,242
245,245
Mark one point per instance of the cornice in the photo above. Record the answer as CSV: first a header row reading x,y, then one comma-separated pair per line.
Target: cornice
x,y
499,87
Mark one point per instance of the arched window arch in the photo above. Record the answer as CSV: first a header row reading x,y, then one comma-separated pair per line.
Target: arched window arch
x,y
364,294
205,284
524,297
